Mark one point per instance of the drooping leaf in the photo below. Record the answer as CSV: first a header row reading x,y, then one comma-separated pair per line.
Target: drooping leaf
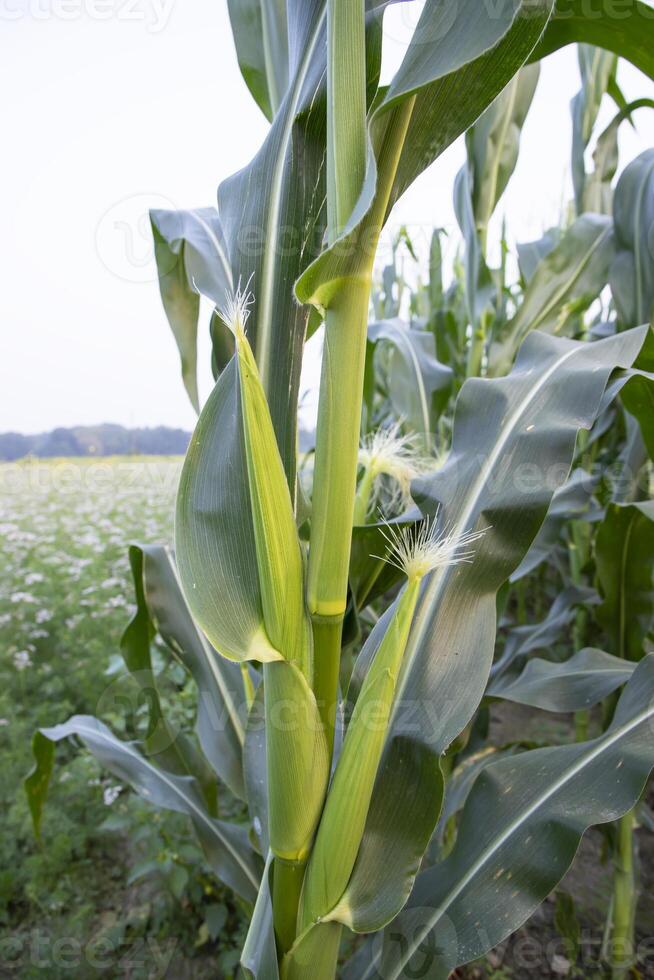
x,y
598,192
226,845
532,416
192,261
571,501
259,955
519,832
531,254
567,280
597,67
222,711
493,144
537,637
576,684
624,555
632,272
164,744
628,35
261,36
418,384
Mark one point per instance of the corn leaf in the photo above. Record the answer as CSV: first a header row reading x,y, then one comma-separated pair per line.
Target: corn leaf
x,y
222,711
628,35
597,69
530,417
493,143
574,685
164,743
624,556
520,830
226,845
261,36
632,272
565,282
419,384
191,260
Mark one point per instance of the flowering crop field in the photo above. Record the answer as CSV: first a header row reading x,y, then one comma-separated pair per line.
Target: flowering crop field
x,y
65,599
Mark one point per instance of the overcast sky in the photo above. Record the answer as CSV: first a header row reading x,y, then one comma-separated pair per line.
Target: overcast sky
x,y
111,107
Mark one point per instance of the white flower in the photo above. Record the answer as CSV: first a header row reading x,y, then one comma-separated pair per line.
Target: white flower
x,y
22,597
110,794
43,616
33,578
22,660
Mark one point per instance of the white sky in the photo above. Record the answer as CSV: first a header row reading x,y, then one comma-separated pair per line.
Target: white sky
x,y
111,107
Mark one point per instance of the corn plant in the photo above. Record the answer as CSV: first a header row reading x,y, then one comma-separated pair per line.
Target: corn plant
x,y
340,738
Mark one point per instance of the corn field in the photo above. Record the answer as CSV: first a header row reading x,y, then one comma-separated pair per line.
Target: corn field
x,y
470,527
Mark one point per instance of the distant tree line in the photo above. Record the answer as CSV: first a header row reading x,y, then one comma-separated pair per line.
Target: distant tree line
x,y
95,440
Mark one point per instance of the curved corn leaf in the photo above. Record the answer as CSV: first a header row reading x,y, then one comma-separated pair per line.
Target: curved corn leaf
x,y
163,744
530,417
531,254
597,69
638,398
259,955
221,712
567,280
624,556
418,384
628,35
226,845
480,288
598,193
192,260
574,685
571,501
632,272
524,640
214,532
519,832
493,143
261,36
446,64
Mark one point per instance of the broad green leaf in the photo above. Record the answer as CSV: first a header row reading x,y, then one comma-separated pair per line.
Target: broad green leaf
x,y
632,272
566,281
226,845
214,532
493,144
221,711
574,685
531,254
530,417
629,35
261,37
598,193
446,64
164,744
597,68
479,283
418,384
519,833
571,501
259,955
523,640
192,261
624,555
